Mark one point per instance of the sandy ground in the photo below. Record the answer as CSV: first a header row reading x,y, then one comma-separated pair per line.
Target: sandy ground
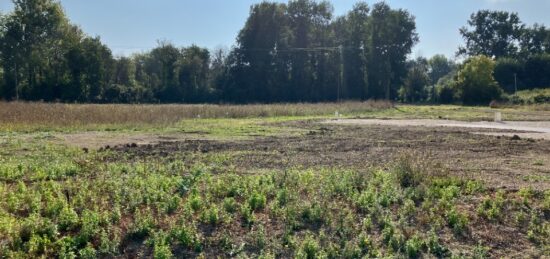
x,y
524,129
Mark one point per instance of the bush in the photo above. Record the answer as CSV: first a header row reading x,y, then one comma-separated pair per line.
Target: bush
x,y
445,89
475,82
257,201
68,219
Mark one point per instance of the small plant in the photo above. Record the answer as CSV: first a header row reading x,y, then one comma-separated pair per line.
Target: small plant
x,y
195,202
230,205
282,197
414,246
257,201
435,247
480,252
88,252
68,219
457,221
248,215
142,226
309,249
211,216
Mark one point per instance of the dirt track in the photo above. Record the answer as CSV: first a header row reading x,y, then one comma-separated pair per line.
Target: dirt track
x,y
524,129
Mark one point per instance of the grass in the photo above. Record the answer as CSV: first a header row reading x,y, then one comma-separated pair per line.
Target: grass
x,y
16,116
44,117
58,201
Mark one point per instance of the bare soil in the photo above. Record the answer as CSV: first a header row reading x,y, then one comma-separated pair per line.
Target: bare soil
x,y
500,161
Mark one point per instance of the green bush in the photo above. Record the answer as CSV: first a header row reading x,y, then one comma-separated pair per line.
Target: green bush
x,y
257,201
475,83
68,219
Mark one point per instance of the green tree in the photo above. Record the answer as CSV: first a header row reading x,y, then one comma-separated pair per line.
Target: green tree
x,y
508,72
537,71
193,74
393,34
475,82
354,35
535,40
32,33
258,65
439,66
415,85
491,33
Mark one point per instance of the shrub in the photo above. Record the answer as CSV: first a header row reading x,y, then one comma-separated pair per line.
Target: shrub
x,y
88,252
475,82
309,248
414,246
457,221
257,201
406,174
247,215
230,205
68,219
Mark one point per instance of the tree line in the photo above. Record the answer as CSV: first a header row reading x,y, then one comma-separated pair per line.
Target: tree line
x,y
286,52
501,56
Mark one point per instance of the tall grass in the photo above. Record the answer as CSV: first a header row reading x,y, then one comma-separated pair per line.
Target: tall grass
x,y
55,114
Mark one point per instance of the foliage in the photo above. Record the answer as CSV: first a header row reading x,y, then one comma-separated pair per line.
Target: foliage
x,y
491,33
475,83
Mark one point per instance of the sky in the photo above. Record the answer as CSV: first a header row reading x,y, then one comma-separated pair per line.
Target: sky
x,y
129,26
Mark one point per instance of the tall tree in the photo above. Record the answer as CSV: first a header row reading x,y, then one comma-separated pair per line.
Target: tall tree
x,y
193,74
491,33
353,34
535,40
31,33
393,34
255,62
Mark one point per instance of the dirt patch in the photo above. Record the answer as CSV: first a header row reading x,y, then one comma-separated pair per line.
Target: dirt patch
x,y
96,140
526,129
499,161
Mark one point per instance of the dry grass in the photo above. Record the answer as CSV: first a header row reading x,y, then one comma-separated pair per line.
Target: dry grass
x,y
15,114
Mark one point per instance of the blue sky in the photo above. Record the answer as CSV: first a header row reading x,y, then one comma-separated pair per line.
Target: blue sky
x,y
135,25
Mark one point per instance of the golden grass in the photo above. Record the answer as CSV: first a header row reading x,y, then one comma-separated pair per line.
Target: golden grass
x,y
17,114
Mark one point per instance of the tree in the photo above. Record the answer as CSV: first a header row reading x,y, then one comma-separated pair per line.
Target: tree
x,y
32,33
537,71
193,74
475,82
415,85
163,66
438,67
353,33
393,34
508,73
535,40
257,60
491,33
446,89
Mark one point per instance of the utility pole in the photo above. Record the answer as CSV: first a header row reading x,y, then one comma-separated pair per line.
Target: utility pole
x,y
341,83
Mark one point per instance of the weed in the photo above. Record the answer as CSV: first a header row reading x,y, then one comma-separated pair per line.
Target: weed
x,y
457,221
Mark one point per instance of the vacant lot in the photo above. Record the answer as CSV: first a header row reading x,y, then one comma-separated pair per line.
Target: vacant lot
x,y
293,182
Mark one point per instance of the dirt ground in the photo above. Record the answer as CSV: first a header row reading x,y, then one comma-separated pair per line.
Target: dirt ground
x,y
525,129
500,161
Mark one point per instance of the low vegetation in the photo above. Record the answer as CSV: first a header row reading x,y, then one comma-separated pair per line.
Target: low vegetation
x,y
62,202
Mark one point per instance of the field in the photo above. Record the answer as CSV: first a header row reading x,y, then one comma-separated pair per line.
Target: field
x,y
271,181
